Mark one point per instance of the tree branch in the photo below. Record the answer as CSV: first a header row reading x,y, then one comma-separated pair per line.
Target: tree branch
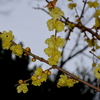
x,y
76,78
83,9
33,55
70,57
80,26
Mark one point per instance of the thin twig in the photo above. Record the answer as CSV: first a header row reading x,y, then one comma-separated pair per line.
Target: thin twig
x,y
80,26
47,1
94,54
39,8
75,54
83,9
76,44
75,10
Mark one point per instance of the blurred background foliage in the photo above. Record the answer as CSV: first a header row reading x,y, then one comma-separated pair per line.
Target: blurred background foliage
x,y
14,68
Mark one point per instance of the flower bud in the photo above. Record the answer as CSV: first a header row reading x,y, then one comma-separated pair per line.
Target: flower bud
x,y
33,59
28,49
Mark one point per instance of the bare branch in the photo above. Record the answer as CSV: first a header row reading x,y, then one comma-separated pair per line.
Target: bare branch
x,y
83,9
78,52
39,8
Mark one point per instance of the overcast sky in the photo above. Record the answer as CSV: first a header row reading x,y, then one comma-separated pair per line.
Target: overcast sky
x,y
29,26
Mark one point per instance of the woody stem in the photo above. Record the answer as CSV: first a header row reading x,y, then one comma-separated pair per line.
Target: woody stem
x,y
76,78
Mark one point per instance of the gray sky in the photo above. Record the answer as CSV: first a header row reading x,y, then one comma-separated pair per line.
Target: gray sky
x,y
29,26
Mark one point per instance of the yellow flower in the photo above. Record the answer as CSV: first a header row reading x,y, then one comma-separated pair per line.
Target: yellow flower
x,y
59,26
97,13
60,42
36,82
56,13
51,24
90,4
38,71
91,42
54,42
52,62
7,36
52,51
51,42
17,50
56,55
22,88
62,81
43,77
65,81
70,83
94,4
54,59
71,5
97,71
38,77
97,22
6,44
48,51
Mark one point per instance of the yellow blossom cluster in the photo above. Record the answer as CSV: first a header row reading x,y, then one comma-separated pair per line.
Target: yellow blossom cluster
x,y
64,81
22,88
93,4
56,13
92,43
97,18
54,23
97,71
97,13
7,38
54,43
97,22
72,5
17,50
37,79
57,25
39,76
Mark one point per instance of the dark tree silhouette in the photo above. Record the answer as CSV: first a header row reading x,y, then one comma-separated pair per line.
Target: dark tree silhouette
x,y
13,69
